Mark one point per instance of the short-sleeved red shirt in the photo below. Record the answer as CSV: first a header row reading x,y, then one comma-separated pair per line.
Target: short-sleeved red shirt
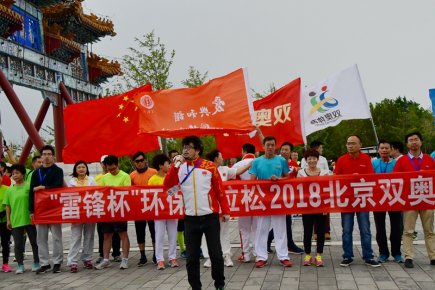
x,y
5,180
347,164
404,164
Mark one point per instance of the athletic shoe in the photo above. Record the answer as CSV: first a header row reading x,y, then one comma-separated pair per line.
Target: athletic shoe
x,y
409,263
43,269
6,268
244,259
286,263
73,268
227,261
372,263
35,267
117,259
161,265
318,260
88,264
308,260
142,262
183,255
207,263
56,268
260,264
99,260
173,263
103,264
398,259
295,250
124,264
20,269
346,262
383,258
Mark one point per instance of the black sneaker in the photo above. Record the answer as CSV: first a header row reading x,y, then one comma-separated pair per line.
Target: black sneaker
x,y
409,263
346,262
142,262
43,269
295,250
56,268
372,263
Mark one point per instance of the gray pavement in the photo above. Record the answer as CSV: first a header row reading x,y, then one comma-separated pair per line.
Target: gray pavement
x,y
242,276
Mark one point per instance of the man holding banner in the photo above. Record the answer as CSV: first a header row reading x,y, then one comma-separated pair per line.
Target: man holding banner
x,y
415,160
355,162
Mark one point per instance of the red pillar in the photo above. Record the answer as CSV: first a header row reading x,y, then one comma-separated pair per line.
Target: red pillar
x,y
38,123
65,95
59,132
21,112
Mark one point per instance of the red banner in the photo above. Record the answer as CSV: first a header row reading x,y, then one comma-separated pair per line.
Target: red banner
x,y
277,114
221,105
338,193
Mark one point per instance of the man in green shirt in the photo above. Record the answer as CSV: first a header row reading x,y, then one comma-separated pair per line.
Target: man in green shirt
x,y
114,177
18,217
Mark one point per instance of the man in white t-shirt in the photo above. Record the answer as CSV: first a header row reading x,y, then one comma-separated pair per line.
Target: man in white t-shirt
x,y
226,173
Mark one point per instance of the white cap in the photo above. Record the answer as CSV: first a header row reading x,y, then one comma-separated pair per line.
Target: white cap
x,y
103,157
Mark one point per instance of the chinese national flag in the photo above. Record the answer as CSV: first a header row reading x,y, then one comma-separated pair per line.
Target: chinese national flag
x,y
277,114
105,126
221,105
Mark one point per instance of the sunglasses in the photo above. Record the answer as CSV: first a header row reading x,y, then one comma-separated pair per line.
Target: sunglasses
x,y
139,160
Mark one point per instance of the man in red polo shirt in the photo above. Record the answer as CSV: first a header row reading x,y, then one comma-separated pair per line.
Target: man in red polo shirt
x,y
415,160
355,162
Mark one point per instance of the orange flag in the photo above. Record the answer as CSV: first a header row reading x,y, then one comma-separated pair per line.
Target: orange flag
x,y
105,126
222,104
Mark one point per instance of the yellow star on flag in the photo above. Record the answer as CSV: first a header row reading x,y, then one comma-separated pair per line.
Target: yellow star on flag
x,y
119,115
125,98
125,120
121,106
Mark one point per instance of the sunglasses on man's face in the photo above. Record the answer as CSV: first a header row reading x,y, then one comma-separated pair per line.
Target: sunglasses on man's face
x,y
139,160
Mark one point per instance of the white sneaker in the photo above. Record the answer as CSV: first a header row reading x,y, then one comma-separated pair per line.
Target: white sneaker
x,y
227,261
124,264
207,263
103,264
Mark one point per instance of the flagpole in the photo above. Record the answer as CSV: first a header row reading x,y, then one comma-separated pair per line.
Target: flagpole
x,y
374,130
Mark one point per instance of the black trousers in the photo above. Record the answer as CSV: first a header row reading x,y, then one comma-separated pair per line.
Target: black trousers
x,y
5,236
290,243
140,227
310,220
116,242
395,233
19,241
194,228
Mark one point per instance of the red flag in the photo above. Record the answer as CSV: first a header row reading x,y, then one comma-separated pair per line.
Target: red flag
x,y
105,126
277,115
222,104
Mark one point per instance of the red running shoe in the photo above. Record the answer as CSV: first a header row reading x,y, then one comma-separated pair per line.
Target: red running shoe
x,y
286,263
261,264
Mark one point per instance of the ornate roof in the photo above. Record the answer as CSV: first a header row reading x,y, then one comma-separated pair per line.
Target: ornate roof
x,y
10,21
100,69
60,47
85,28
45,3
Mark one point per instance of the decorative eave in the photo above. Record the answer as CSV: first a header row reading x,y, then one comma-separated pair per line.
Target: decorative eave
x,y
10,21
86,28
45,3
58,46
100,69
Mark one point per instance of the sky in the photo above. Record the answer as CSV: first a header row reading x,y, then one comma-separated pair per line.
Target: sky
x,y
391,41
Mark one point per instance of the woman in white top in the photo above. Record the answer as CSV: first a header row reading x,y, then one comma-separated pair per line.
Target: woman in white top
x,y
318,219
81,178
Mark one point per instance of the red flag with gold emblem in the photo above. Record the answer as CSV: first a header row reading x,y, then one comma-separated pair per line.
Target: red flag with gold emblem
x,y
277,114
105,126
221,105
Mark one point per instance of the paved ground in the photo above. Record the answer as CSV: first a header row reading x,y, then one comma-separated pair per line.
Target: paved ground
x,y
242,276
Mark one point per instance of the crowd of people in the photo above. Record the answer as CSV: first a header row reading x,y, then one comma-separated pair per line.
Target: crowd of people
x,y
203,232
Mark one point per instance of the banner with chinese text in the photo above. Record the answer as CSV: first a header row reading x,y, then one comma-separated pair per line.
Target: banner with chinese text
x,y
338,193
222,104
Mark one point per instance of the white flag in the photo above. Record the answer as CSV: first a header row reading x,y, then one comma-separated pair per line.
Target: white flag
x,y
339,97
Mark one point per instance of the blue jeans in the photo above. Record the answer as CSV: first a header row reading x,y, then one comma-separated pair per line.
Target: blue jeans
x,y
347,221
